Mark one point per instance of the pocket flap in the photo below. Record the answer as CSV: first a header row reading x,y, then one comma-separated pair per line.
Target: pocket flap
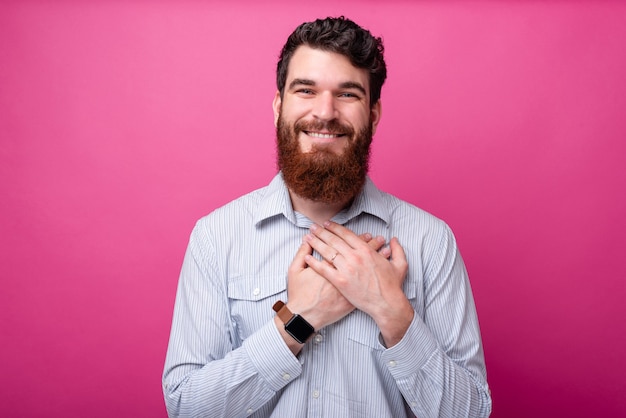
x,y
255,288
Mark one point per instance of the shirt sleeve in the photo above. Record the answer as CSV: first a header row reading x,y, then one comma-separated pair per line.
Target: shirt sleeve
x,y
439,365
204,373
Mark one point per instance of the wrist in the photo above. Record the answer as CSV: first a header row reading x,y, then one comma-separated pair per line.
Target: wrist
x,y
394,324
294,324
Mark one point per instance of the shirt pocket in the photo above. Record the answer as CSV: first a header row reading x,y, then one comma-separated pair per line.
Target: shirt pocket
x,y
250,300
362,330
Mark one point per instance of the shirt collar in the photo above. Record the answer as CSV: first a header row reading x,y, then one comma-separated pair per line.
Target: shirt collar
x,y
276,201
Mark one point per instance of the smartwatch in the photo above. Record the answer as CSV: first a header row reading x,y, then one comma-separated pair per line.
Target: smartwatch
x,y
295,325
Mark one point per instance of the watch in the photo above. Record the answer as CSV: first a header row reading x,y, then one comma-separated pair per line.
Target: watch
x,y
295,325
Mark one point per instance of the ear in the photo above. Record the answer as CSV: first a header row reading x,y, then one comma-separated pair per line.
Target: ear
x,y
276,106
375,114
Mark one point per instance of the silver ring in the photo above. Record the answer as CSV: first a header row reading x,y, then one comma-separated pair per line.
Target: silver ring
x,y
332,259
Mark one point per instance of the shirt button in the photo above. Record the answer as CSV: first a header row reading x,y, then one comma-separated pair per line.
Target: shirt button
x,y
392,363
286,376
316,394
256,291
249,411
318,338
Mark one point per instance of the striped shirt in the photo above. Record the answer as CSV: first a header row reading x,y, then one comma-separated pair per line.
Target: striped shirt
x,y
226,357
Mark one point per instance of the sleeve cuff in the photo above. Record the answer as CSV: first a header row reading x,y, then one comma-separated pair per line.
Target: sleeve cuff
x,y
272,358
413,351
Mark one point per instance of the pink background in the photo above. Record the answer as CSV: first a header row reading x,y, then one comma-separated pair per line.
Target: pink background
x,y
122,123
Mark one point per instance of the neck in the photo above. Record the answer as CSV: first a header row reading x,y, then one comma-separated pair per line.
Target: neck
x,y
317,212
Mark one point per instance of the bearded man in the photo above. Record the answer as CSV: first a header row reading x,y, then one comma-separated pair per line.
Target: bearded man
x,y
319,294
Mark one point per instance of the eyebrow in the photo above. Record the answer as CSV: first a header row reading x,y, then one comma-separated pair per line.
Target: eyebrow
x,y
353,85
301,81
344,85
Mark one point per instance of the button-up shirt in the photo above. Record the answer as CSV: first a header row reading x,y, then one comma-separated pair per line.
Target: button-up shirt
x,y
226,358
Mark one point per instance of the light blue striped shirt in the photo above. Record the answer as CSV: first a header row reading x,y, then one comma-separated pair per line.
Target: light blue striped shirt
x,y
227,359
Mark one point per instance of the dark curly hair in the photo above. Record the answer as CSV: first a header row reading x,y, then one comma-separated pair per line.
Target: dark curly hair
x,y
341,36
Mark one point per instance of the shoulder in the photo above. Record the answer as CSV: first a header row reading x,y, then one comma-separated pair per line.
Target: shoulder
x,y
220,229
418,229
406,215
246,212
238,211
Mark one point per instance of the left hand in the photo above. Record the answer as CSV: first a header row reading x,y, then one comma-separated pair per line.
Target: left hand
x,y
365,277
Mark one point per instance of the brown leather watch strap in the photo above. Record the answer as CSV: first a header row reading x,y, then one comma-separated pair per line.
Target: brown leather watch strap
x,y
282,311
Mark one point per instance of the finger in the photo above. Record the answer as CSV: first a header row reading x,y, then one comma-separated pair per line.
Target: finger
x,y
330,239
343,233
322,268
376,243
298,262
398,258
326,251
367,237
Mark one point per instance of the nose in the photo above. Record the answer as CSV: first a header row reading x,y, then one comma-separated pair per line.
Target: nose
x,y
324,107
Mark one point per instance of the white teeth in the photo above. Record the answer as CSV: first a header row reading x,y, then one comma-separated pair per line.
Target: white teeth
x,y
323,136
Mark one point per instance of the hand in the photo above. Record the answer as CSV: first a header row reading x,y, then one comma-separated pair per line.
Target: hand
x,y
308,291
377,244
311,295
367,279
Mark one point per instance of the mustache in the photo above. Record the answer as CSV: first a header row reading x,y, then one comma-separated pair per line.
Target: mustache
x,y
332,126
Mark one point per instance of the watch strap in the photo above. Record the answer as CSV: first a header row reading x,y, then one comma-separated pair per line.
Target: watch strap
x,y
282,311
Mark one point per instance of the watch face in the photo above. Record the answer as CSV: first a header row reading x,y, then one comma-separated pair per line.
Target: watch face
x,y
299,328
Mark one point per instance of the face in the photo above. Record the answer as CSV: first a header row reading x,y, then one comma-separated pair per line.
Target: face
x,y
325,126
327,98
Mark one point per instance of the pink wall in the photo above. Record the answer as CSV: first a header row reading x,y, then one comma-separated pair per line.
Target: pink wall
x,y
121,123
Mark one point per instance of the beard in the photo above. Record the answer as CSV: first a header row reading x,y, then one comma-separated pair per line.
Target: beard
x,y
321,175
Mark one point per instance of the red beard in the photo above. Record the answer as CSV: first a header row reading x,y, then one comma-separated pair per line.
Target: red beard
x,y
321,175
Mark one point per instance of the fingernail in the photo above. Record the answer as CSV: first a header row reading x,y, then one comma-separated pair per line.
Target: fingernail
x,y
314,227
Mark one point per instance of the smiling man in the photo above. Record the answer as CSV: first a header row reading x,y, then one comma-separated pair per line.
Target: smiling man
x,y
325,125
320,295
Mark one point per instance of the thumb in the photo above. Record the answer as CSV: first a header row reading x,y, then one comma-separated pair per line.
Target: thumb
x,y
398,257
298,262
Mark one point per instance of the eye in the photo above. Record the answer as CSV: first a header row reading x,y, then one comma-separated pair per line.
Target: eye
x,y
304,91
349,95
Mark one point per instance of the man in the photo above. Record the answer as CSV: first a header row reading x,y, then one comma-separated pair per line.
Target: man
x,y
379,318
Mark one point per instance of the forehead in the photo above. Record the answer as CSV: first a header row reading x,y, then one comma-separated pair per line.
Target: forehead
x,y
324,68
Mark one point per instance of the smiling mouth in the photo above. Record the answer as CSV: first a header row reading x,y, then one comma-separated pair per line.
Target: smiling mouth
x,y
323,136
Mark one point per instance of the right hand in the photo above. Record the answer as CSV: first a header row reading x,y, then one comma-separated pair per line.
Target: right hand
x,y
315,298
